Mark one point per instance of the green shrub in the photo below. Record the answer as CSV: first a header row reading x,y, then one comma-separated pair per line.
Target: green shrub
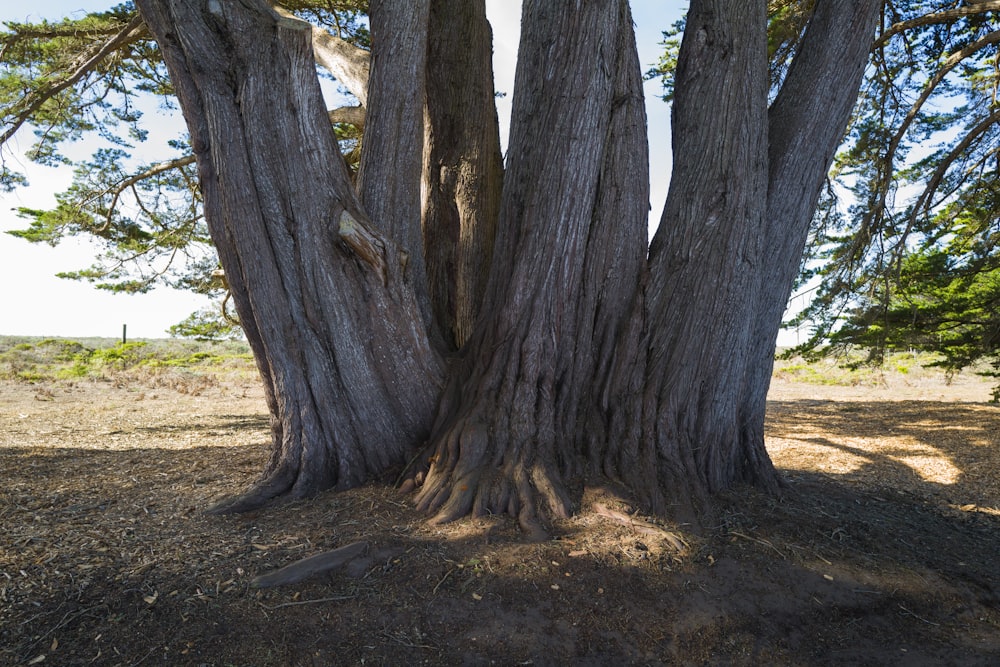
x,y
122,356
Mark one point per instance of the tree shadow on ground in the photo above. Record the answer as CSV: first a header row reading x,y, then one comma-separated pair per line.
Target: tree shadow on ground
x,y
946,451
106,558
214,422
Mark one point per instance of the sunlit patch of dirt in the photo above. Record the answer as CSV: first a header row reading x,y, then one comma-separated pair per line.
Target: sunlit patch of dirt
x,y
883,549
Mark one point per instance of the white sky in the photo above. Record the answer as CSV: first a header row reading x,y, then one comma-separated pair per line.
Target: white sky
x,y
35,302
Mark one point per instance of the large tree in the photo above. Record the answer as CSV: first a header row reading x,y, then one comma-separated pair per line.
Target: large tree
x,y
584,355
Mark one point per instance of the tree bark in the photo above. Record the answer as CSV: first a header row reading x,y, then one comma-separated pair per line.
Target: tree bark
x,y
587,358
806,125
463,167
392,147
705,260
350,379
568,257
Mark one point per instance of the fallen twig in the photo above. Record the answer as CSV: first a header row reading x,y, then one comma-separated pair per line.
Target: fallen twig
x,y
640,526
919,618
447,574
339,598
760,541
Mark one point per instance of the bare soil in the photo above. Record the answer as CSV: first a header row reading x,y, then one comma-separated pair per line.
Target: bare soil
x,y
884,550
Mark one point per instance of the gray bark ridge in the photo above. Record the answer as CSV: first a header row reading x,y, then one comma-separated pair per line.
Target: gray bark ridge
x,y
392,148
705,257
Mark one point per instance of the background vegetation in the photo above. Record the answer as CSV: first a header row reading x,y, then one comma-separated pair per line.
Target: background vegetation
x,y
163,361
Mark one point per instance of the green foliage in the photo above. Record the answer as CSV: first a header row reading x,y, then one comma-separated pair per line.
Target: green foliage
x,y
77,76
787,20
91,77
121,356
852,366
904,249
207,324
667,64
100,77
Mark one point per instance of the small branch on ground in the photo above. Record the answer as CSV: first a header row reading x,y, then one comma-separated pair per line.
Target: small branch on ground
x,y
307,567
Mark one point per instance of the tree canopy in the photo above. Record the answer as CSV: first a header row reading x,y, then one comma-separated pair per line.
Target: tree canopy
x,y
912,261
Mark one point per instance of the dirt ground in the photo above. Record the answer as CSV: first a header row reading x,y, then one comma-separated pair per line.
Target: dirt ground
x,y
883,551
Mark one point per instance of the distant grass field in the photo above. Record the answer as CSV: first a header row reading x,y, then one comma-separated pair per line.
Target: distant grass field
x,y
46,359
853,370
38,359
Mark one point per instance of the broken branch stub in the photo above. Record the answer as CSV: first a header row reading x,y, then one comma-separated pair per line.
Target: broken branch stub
x,y
365,244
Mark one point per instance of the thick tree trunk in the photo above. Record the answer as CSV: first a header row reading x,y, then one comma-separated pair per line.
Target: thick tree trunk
x,y
586,358
463,168
806,124
568,257
350,378
392,147
705,260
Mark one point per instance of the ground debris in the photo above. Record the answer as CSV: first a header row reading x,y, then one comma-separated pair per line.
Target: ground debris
x,y
886,538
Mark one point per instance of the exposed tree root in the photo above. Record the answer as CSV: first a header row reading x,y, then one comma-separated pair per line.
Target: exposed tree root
x,y
511,490
261,493
459,482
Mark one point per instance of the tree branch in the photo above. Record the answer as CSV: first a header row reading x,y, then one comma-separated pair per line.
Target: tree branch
x,y
153,170
347,63
352,115
117,189
21,33
366,245
976,7
301,569
923,201
947,66
84,64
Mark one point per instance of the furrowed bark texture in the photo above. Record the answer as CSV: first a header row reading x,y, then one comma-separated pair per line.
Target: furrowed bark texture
x,y
463,168
350,378
392,147
568,257
805,124
705,257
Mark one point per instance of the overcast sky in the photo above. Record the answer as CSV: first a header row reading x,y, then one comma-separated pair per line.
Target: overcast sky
x,y
35,302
